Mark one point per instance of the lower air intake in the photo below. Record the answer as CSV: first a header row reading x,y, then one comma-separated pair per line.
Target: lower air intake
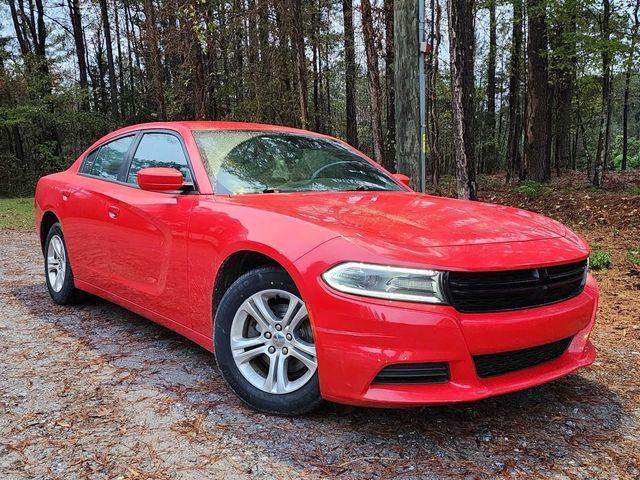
x,y
506,362
414,373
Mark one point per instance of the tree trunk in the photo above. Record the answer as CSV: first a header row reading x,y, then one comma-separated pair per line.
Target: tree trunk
x,y
375,94
514,159
564,81
113,88
129,35
301,61
154,57
627,81
76,24
350,74
119,50
434,118
605,115
406,47
490,141
536,152
461,47
390,153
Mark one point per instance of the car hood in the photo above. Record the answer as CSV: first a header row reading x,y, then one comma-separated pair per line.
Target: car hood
x,y
407,219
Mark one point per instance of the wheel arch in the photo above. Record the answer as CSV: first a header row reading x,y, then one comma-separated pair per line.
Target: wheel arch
x,y
48,220
237,264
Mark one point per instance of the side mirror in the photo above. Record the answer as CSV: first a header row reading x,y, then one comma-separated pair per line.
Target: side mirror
x,y
403,179
160,179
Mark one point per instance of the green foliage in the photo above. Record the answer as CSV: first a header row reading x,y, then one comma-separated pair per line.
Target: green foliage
x,y
633,152
632,190
531,189
599,259
633,255
16,213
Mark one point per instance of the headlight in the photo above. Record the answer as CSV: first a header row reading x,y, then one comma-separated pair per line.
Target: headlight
x,y
394,283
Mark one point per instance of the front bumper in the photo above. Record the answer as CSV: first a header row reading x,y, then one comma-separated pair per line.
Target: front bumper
x,y
357,337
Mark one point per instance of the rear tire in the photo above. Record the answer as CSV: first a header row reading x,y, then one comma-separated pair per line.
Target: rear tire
x,y
57,269
263,343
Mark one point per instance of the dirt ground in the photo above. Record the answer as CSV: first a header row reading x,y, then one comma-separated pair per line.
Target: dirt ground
x,y
97,392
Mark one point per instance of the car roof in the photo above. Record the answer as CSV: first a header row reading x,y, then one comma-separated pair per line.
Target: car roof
x,y
195,125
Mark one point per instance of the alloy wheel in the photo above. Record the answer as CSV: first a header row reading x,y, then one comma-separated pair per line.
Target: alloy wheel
x,y
56,263
272,342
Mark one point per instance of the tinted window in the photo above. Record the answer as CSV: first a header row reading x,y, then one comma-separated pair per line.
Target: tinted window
x,y
88,162
159,150
110,158
255,162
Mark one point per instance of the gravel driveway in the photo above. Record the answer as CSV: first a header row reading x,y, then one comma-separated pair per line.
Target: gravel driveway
x,y
97,392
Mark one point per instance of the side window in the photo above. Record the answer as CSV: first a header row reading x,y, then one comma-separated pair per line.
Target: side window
x,y
110,158
87,163
159,150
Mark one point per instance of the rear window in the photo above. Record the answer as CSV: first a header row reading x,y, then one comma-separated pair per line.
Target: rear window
x,y
110,158
87,163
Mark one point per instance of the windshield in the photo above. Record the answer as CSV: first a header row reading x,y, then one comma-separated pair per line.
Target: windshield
x,y
265,162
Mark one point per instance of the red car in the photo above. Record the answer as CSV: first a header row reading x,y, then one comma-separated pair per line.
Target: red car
x,y
311,272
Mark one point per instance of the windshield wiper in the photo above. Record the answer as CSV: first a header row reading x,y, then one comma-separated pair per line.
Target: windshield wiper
x,y
362,188
270,190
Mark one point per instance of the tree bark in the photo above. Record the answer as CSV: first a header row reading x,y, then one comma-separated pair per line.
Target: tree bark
x,y
375,94
301,61
434,118
461,50
154,57
627,82
490,142
113,88
536,152
514,159
75,15
350,74
390,153
605,113
565,75
119,50
406,49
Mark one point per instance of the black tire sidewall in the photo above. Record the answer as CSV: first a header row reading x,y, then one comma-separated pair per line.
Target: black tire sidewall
x,y
68,293
302,400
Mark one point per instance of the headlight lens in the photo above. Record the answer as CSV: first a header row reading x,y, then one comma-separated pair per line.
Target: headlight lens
x,y
380,281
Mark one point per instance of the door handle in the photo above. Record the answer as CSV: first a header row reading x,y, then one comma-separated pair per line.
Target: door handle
x,y
113,211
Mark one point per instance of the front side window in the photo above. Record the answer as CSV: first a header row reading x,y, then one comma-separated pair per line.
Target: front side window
x,y
263,162
110,157
159,150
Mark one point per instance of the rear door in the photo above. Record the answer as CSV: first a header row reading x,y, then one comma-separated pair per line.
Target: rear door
x,y
86,226
148,240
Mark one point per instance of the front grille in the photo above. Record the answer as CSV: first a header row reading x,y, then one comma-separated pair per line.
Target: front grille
x,y
414,373
472,292
499,363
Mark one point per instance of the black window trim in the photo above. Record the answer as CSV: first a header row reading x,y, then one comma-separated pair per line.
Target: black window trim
x,y
128,158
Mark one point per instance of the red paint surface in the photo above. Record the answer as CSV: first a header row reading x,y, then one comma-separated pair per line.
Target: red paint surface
x,y
158,254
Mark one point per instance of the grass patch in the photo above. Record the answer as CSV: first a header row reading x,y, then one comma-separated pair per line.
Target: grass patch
x,y
632,190
530,188
16,213
599,259
633,255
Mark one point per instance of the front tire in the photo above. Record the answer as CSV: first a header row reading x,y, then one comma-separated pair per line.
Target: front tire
x,y
57,269
264,343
